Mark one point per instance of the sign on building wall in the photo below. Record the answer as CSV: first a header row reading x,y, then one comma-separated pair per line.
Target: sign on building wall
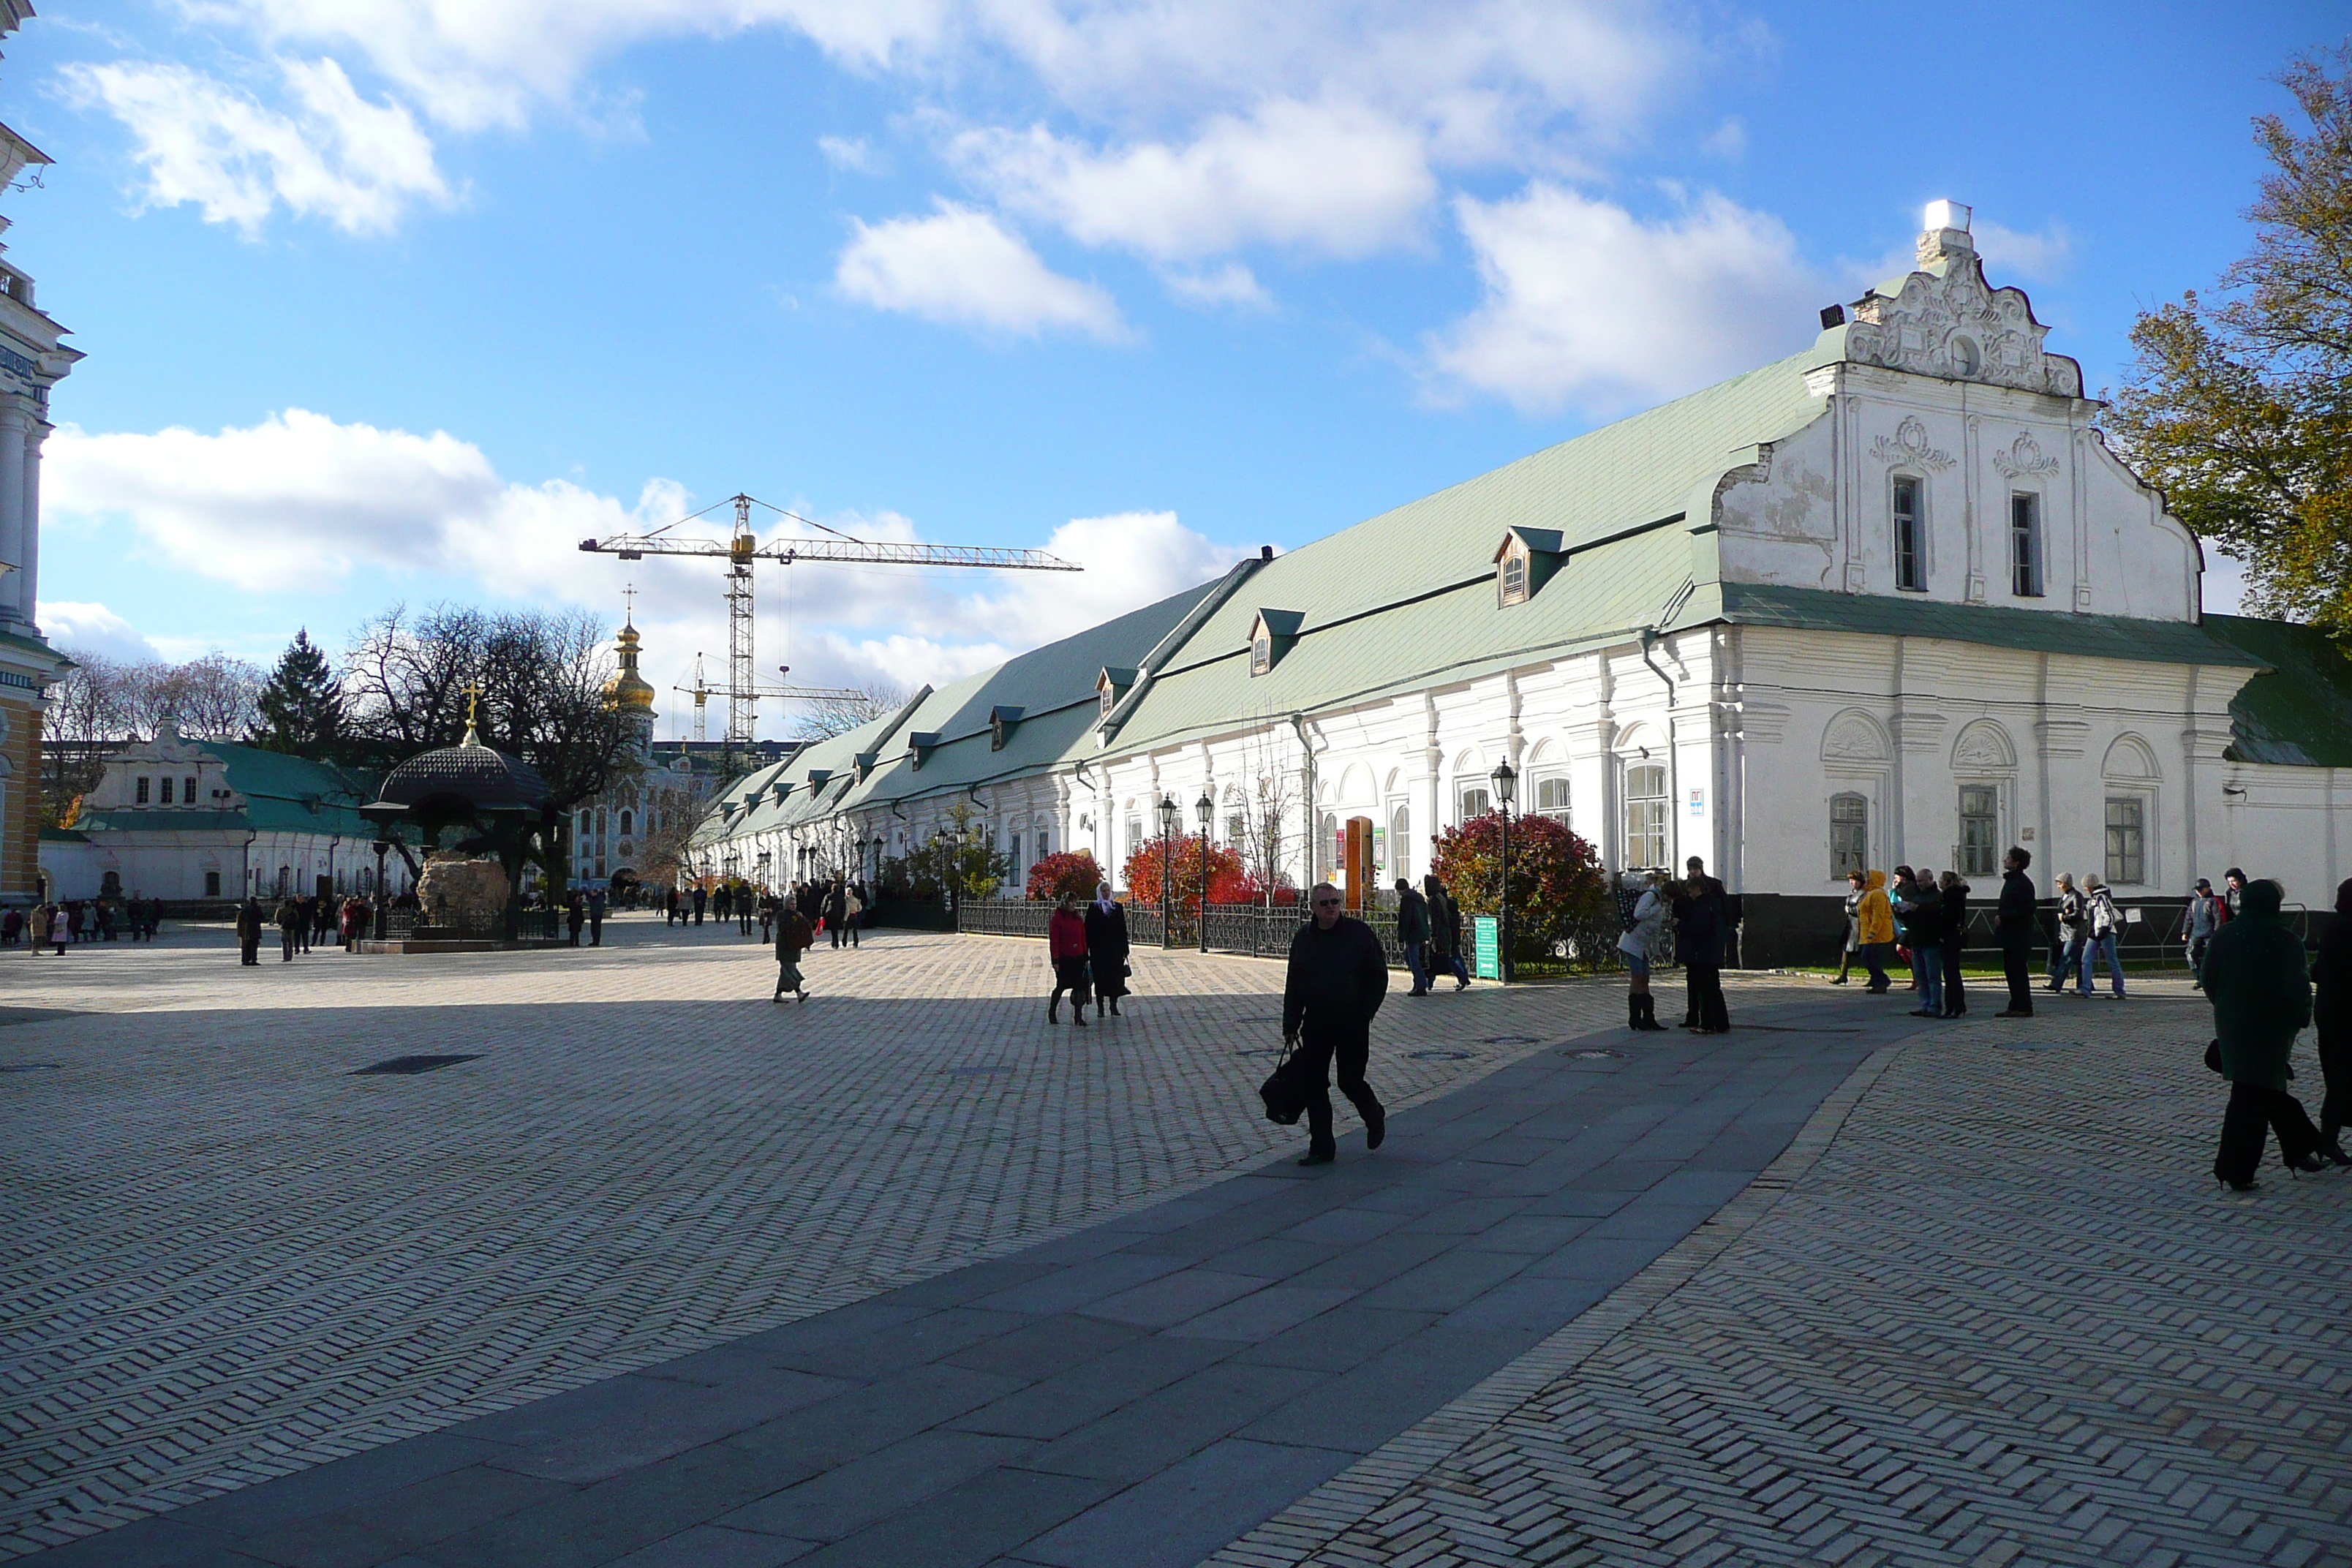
x,y
1487,947
1698,803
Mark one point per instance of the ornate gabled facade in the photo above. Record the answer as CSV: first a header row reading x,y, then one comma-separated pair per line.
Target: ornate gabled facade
x,y
33,359
1888,600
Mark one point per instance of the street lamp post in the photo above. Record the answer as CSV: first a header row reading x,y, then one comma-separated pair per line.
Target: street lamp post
x,y
1506,787
383,847
1167,870
1205,809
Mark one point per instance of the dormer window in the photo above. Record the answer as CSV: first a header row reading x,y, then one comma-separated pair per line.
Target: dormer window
x,y
1111,684
919,743
1271,636
1001,722
1524,562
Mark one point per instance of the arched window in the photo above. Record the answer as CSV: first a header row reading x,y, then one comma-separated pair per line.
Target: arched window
x,y
1261,654
628,823
1645,814
1552,798
1515,578
1401,842
1849,833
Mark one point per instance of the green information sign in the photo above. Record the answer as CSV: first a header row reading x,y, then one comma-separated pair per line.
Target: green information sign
x,y
1486,946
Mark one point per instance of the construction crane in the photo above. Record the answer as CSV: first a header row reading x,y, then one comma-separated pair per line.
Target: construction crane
x,y
743,692
700,691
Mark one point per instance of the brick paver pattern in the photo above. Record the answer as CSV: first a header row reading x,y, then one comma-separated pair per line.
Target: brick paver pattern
x,y
2001,1316
224,1257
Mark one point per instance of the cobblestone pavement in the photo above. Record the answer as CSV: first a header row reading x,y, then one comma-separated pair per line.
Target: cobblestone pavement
x,y
224,1257
1989,1309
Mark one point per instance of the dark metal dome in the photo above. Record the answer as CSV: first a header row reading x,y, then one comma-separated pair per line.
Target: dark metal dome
x,y
485,779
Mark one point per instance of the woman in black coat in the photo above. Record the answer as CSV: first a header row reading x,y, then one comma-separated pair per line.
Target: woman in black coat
x,y
2331,1010
1955,935
1108,947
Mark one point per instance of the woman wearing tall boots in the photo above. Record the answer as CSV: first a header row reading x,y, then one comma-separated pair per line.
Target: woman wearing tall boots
x,y
1065,946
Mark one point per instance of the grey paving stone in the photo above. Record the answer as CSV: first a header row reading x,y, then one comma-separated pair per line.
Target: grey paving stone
x,y
1446,1281
1093,1388
1188,1511
1541,1304
972,1524
331,1485
1155,1432
710,1546
1346,1336
1650,1217
1348,1224
1176,1297
853,1495
1377,1261
1534,1234
1599,1258
410,1519
1464,1217
161,1543
1068,1288
1046,1348
641,1420
929,1338
1277,1256
863,1420
1359,1408
1264,1314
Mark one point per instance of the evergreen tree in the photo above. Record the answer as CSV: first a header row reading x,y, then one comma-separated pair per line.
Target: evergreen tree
x,y
302,705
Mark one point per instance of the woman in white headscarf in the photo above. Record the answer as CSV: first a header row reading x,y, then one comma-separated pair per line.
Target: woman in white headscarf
x,y
1106,948
1645,922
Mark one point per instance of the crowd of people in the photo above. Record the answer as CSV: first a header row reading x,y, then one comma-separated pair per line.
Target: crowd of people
x,y
63,923
1704,916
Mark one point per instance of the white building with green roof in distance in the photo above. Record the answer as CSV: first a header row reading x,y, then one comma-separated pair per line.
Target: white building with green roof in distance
x,y
188,821
1888,600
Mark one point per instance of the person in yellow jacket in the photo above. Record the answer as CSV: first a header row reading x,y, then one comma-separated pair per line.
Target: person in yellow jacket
x,y
1875,920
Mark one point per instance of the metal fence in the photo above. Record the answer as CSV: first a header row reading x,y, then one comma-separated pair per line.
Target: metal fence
x,y
517,922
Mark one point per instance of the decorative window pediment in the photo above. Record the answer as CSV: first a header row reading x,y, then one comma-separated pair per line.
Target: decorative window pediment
x,y
1271,636
1524,562
1001,722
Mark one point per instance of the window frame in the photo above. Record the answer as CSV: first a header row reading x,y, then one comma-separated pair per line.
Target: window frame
x,y
1466,792
1972,863
144,791
1557,813
1841,851
1909,532
1514,577
2026,576
1261,652
2118,873
1654,810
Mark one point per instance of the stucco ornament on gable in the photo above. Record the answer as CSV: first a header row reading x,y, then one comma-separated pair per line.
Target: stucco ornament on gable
x,y
2024,459
1943,320
1908,445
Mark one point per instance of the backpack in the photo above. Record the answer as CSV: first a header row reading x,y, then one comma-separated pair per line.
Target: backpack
x,y
1628,901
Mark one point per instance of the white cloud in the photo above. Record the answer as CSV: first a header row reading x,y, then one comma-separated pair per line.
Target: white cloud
x,y
1334,177
358,165
94,628
1131,559
1728,140
2222,588
2042,257
854,154
960,265
1231,284
1587,305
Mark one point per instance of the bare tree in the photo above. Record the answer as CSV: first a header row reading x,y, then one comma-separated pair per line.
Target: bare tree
x,y
1269,791
102,703
821,720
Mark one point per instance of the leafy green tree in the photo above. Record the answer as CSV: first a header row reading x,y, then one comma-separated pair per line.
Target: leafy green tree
x,y
2239,408
302,704
1558,892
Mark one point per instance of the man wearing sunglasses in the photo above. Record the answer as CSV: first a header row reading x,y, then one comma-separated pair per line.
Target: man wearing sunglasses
x,y
1338,977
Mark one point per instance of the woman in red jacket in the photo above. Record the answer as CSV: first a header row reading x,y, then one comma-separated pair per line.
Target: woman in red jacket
x,y
1066,942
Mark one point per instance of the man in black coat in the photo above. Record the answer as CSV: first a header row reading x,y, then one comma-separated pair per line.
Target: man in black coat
x,y
1338,977
1107,948
2015,928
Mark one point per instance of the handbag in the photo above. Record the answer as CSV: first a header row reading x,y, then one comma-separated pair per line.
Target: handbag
x,y
2213,1055
1285,1090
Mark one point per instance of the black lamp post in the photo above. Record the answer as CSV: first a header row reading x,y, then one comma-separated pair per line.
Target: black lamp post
x,y
1205,809
383,847
1507,788
1167,870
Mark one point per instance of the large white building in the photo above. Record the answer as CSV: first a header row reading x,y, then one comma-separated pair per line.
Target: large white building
x,y
1890,599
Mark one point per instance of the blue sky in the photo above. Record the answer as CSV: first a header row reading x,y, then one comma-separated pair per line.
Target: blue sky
x,y
396,300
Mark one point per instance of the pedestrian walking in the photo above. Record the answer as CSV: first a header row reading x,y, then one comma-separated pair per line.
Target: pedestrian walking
x,y
2013,928
768,906
1412,934
2262,999
575,914
836,909
1955,891
61,929
794,936
2066,952
1874,930
701,899
248,930
1694,875
1339,976
2331,978
595,917
853,909
2199,922
1700,929
1444,932
1919,908
289,929
2103,932
1066,948
1645,924
1108,950
1850,949
669,905
2233,884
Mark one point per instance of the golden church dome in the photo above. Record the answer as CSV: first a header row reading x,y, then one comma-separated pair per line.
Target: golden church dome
x,y
627,688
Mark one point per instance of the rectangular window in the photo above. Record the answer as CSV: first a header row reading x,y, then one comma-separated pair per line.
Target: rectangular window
x,y
1235,825
1849,835
2025,546
1979,830
141,797
1475,801
1134,834
212,884
1645,814
1910,547
1551,799
166,799
188,792
2127,840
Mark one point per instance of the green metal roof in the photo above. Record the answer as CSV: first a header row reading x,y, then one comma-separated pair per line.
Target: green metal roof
x,y
282,795
2299,710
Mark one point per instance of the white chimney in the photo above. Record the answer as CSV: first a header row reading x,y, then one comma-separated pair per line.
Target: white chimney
x,y
1946,233
1947,215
